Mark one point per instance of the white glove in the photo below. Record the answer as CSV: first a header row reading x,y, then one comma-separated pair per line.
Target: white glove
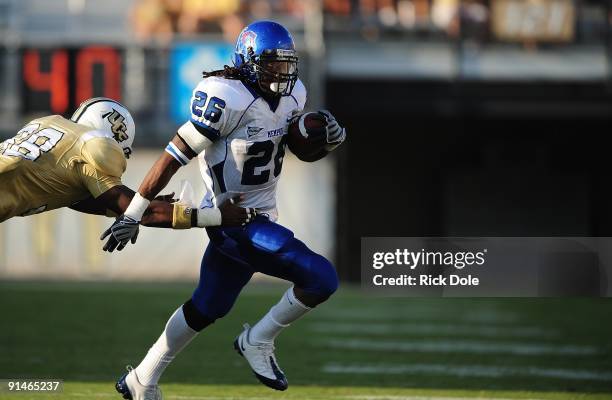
x,y
335,133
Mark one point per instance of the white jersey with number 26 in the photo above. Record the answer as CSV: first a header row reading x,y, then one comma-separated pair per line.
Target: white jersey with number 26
x,y
240,139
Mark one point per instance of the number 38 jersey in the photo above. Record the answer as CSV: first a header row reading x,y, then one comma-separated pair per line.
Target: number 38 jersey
x,y
53,162
240,139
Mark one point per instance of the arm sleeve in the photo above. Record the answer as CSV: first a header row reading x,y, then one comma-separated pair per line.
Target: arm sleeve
x,y
102,166
209,115
196,141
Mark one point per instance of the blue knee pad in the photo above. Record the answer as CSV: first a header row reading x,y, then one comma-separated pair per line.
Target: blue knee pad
x,y
272,249
310,271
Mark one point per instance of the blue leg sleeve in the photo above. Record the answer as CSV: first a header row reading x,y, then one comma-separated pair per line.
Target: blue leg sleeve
x,y
222,277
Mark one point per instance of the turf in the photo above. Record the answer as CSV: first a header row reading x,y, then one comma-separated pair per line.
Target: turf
x,y
353,347
80,390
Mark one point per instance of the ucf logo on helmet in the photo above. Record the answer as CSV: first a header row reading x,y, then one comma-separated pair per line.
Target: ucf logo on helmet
x,y
118,126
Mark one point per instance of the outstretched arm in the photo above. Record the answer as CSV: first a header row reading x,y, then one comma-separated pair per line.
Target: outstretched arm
x,y
90,206
125,229
114,201
181,216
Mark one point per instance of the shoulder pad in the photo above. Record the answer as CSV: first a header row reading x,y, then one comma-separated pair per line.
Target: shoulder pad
x,y
299,94
103,153
236,96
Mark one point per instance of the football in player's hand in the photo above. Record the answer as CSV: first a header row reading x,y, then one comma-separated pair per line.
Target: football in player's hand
x,y
306,135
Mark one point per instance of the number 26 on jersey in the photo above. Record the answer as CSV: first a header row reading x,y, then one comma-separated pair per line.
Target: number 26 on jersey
x,y
210,111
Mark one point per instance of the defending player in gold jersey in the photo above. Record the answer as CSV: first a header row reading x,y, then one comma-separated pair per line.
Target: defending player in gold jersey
x,y
54,162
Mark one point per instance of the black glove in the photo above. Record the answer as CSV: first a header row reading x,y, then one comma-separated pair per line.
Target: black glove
x,y
335,133
123,230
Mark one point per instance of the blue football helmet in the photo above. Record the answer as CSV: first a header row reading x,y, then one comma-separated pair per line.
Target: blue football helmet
x,y
265,54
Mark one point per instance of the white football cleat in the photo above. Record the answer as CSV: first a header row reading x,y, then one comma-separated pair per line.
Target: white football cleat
x,y
131,389
261,358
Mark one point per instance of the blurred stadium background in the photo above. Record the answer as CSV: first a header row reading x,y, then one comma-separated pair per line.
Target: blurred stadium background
x,y
466,118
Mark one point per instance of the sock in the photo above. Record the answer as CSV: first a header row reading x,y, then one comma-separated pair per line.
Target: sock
x,y
173,339
287,310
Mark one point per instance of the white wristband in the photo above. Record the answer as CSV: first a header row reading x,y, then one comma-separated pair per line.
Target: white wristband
x,y
209,217
137,207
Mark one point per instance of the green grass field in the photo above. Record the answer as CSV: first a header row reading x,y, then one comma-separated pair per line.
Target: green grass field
x,y
353,347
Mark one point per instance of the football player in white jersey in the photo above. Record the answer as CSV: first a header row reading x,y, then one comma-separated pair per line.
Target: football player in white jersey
x,y
239,119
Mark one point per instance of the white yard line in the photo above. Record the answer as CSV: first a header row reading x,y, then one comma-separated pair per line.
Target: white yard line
x,y
383,397
179,397
432,329
482,371
418,314
460,346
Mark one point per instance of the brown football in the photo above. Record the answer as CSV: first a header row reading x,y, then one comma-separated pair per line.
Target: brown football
x,y
306,135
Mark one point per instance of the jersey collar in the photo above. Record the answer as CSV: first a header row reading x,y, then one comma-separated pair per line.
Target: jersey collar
x,y
256,93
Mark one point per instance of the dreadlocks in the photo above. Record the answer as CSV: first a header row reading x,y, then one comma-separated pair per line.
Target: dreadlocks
x,y
227,72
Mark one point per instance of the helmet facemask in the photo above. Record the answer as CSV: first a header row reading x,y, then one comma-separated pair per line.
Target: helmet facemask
x,y
276,71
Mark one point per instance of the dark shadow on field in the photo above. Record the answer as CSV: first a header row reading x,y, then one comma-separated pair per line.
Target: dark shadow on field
x,y
89,332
